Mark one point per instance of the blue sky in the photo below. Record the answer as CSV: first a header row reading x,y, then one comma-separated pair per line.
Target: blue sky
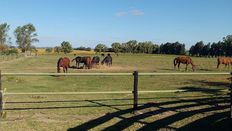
x,y
89,22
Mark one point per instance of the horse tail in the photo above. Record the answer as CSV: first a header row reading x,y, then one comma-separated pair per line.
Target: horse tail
x,y
175,62
58,65
218,61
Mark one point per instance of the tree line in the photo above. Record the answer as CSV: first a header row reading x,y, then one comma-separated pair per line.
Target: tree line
x,y
215,49
147,47
26,35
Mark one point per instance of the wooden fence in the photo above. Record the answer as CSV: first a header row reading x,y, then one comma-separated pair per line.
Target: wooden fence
x,y
135,91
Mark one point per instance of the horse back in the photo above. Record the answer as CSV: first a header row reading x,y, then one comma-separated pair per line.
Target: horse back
x,y
66,62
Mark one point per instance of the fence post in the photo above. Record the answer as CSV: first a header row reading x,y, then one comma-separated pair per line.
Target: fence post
x,y
231,96
1,95
135,90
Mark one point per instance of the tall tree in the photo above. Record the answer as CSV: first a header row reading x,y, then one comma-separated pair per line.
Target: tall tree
x,y
100,48
132,46
206,50
116,47
66,47
227,45
198,47
4,28
25,36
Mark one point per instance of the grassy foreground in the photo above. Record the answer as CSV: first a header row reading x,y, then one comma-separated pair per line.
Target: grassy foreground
x,y
204,105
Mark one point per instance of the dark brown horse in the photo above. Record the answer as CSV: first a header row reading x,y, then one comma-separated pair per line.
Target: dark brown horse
x,y
63,62
86,60
107,60
95,61
184,60
224,60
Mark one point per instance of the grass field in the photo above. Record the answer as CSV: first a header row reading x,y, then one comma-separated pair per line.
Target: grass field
x,y
204,104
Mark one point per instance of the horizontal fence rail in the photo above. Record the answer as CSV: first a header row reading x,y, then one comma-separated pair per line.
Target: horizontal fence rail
x,y
135,91
102,92
109,74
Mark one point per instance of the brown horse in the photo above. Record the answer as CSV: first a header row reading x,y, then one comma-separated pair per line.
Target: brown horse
x,y
63,62
107,60
184,60
224,60
87,60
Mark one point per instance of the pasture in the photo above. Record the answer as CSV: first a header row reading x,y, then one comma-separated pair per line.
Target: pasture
x,y
204,104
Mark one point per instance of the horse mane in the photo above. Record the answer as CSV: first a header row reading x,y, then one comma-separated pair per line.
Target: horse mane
x,y
104,59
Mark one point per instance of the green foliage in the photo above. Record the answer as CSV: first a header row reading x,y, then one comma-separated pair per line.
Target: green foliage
x,y
116,47
10,51
49,50
4,28
25,36
100,48
172,48
66,47
227,46
3,47
221,48
57,49
146,47
83,48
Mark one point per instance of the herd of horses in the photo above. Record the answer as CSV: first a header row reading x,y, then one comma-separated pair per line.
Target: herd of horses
x,y
87,61
187,60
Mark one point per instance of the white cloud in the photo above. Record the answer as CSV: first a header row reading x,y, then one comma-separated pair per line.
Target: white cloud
x,y
136,12
132,11
122,13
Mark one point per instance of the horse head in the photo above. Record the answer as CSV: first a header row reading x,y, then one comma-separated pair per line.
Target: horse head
x,y
193,67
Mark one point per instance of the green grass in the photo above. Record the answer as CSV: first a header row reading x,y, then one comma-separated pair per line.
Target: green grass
x,y
203,100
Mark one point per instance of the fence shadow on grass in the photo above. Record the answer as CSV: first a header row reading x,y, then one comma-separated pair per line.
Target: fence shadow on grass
x,y
215,121
202,90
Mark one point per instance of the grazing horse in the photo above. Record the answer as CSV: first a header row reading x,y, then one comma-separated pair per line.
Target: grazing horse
x,y
63,62
184,60
107,60
95,60
77,60
86,60
224,60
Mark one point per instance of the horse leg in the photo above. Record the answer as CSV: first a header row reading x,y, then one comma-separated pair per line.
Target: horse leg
x,y
64,69
78,65
186,67
218,65
178,66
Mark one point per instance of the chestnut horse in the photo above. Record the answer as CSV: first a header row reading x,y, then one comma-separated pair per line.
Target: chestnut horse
x,y
224,60
63,62
184,60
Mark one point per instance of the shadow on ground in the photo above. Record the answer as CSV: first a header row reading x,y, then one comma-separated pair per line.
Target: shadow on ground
x,y
218,120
